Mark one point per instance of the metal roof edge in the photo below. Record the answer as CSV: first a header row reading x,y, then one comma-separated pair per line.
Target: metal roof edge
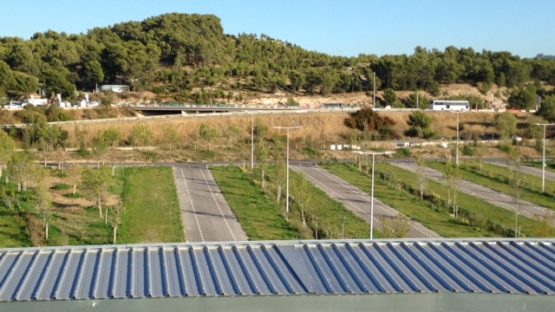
x,y
283,243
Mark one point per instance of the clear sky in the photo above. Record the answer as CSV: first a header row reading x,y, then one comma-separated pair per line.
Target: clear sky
x,y
339,27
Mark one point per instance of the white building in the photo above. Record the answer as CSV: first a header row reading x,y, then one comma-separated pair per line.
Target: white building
x,y
450,105
35,101
114,88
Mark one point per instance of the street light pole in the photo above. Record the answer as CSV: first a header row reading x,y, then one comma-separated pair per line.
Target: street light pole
x,y
457,155
252,140
374,91
372,186
544,125
287,129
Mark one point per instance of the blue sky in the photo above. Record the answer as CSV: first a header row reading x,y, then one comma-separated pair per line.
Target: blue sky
x,y
339,27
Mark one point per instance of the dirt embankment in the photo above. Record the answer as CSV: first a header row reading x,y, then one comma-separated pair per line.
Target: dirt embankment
x,y
496,97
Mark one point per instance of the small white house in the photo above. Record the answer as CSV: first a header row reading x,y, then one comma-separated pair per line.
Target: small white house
x,y
114,88
450,105
35,101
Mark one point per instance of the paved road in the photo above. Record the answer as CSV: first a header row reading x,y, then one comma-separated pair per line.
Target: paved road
x,y
357,201
205,214
502,200
549,175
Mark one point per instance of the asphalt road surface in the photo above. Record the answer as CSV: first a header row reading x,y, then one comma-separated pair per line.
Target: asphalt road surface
x,y
549,175
205,214
357,201
502,200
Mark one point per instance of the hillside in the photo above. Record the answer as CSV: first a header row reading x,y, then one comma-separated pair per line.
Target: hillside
x,y
189,58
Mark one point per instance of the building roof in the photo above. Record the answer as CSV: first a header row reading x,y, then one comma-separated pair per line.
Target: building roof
x,y
278,268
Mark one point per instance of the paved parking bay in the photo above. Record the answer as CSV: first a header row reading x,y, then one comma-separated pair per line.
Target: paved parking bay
x,y
357,201
206,216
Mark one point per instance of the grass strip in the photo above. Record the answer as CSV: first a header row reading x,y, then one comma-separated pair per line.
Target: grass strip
x,y
260,217
150,206
408,204
498,179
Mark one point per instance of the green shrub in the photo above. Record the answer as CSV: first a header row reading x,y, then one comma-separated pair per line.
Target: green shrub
x,y
468,151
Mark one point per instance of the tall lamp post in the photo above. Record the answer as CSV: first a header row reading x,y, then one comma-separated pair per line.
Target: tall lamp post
x,y
457,142
252,140
544,125
287,129
374,90
373,154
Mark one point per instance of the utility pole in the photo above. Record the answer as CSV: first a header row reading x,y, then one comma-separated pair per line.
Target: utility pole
x,y
544,125
457,155
457,142
372,187
252,140
374,91
287,129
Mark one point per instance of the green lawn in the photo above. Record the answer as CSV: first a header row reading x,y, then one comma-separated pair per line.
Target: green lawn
x,y
408,204
325,218
485,215
498,179
260,217
150,206
12,230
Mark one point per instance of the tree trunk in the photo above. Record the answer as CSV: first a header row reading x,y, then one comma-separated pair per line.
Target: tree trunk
x,y
302,215
74,190
263,182
99,205
46,230
115,234
1,171
278,194
106,216
113,170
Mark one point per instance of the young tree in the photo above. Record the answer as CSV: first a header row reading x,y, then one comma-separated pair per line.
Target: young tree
x,y
391,98
7,148
43,201
395,227
21,169
140,135
420,171
96,184
547,109
207,134
75,175
111,137
262,154
116,221
100,147
516,182
451,175
302,195
420,125
172,138
505,123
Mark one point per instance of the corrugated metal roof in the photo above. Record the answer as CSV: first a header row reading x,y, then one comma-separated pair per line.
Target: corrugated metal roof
x,y
278,268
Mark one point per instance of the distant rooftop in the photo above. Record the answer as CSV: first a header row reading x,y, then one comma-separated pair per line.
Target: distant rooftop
x,y
353,267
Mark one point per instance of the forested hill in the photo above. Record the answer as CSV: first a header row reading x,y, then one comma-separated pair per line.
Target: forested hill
x,y
178,55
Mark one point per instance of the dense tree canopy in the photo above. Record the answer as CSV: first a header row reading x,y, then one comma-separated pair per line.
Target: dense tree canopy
x,y
180,53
